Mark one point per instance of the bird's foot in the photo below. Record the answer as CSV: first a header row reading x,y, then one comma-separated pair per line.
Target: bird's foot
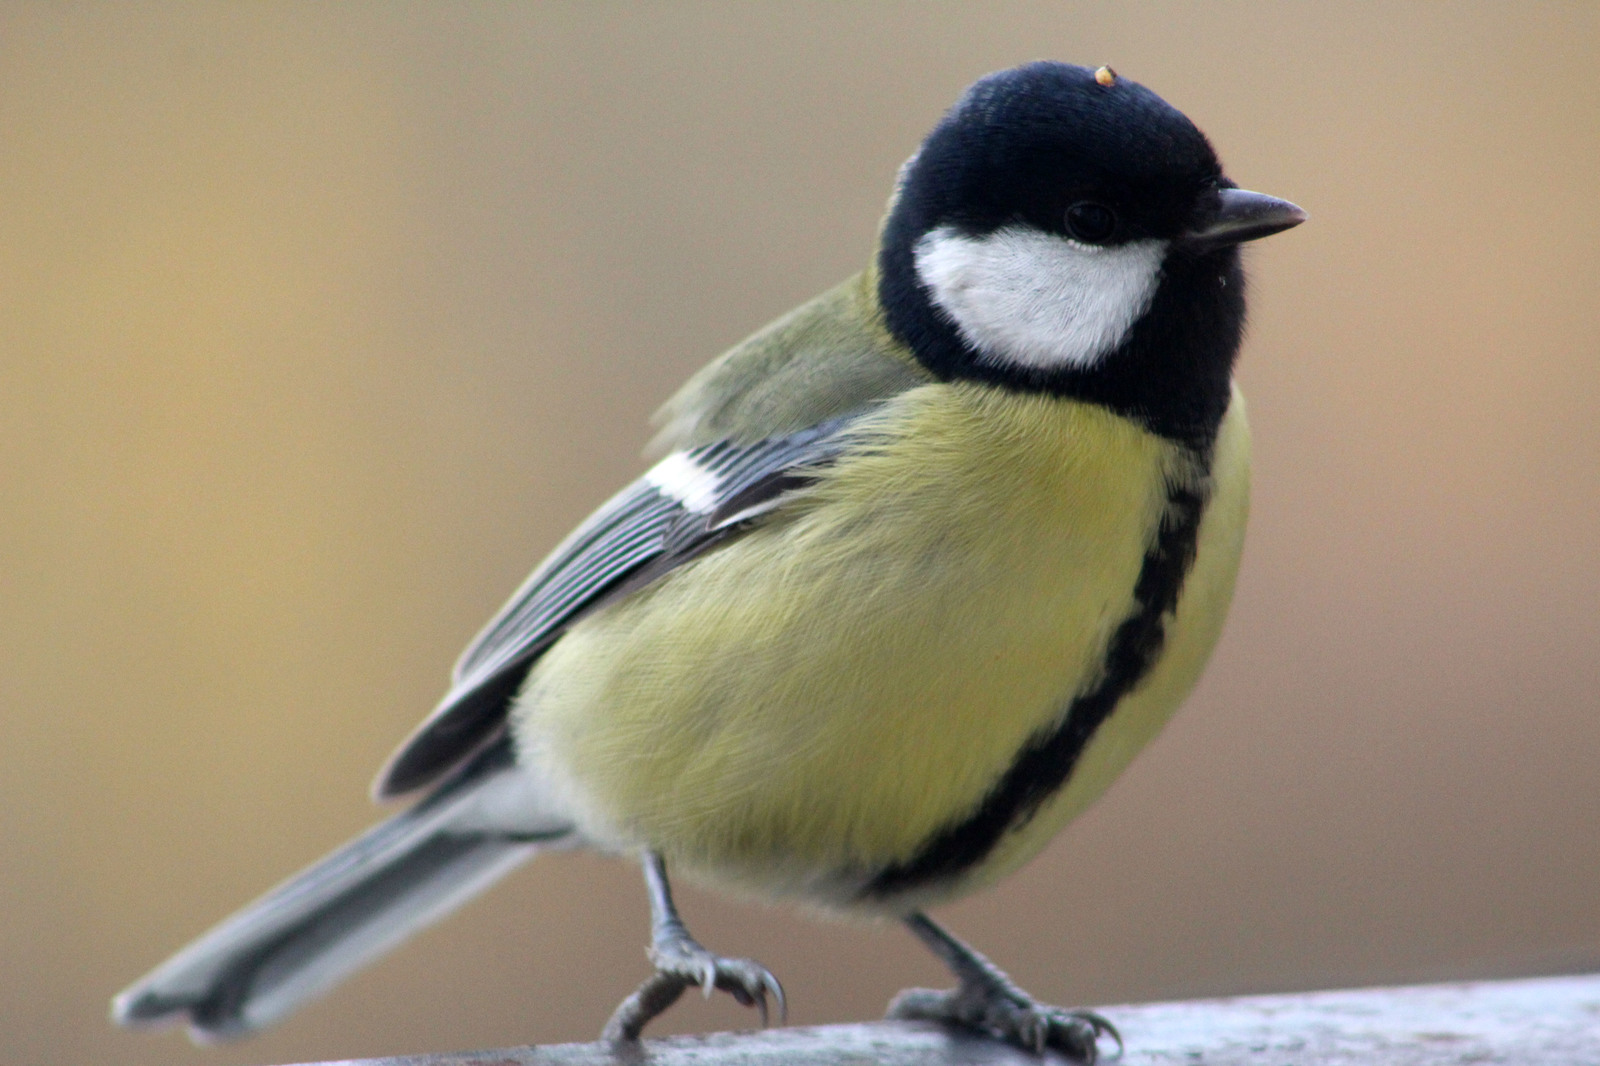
x,y
681,964
1010,1014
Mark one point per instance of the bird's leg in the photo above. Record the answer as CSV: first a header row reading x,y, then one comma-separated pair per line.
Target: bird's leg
x,y
986,999
682,963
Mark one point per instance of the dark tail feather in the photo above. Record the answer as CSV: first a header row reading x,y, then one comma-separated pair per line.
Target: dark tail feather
x,y
329,920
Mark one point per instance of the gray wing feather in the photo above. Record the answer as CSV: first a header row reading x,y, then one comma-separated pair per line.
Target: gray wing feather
x,y
650,528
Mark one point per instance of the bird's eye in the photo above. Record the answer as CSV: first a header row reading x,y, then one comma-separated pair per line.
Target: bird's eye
x,y
1090,222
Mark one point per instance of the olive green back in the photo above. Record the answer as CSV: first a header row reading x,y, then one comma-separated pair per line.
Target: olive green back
x,y
830,356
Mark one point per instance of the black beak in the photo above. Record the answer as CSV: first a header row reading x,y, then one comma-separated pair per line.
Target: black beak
x,y
1241,216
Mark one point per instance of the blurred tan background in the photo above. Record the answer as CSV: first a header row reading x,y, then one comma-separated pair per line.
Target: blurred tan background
x,y
320,325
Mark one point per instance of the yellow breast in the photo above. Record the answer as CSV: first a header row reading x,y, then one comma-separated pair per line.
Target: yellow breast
x,y
817,699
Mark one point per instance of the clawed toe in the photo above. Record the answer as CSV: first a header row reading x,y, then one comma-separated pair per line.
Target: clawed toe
x,y
746,980
682,965
986,1000
1012,1017
1074,1032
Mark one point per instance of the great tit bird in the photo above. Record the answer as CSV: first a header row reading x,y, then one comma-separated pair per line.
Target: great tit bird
x,y
924,564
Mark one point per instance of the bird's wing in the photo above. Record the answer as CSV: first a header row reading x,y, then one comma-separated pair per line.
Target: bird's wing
x,y
687,503
739,436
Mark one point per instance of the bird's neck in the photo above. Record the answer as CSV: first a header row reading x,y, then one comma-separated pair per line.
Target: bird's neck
x,y
1170,373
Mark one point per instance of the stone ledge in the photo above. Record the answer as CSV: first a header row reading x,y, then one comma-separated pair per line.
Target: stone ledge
x,y
1552,1021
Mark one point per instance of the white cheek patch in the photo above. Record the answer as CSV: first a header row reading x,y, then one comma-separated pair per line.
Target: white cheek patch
x,y
681,478
1035,300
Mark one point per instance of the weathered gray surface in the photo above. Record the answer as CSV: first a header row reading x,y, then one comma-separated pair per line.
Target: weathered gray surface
x,y
1544,1022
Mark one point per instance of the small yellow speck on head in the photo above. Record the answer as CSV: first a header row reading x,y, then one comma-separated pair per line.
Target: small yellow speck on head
x,y
1106,76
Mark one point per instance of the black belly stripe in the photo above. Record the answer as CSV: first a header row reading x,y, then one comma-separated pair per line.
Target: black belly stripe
x,y
1046,762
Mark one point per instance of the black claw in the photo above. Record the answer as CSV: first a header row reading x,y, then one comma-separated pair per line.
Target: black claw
x,y
777,993
1103,1027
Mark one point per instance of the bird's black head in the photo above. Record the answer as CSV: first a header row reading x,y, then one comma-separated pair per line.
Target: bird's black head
x,y
1066,230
